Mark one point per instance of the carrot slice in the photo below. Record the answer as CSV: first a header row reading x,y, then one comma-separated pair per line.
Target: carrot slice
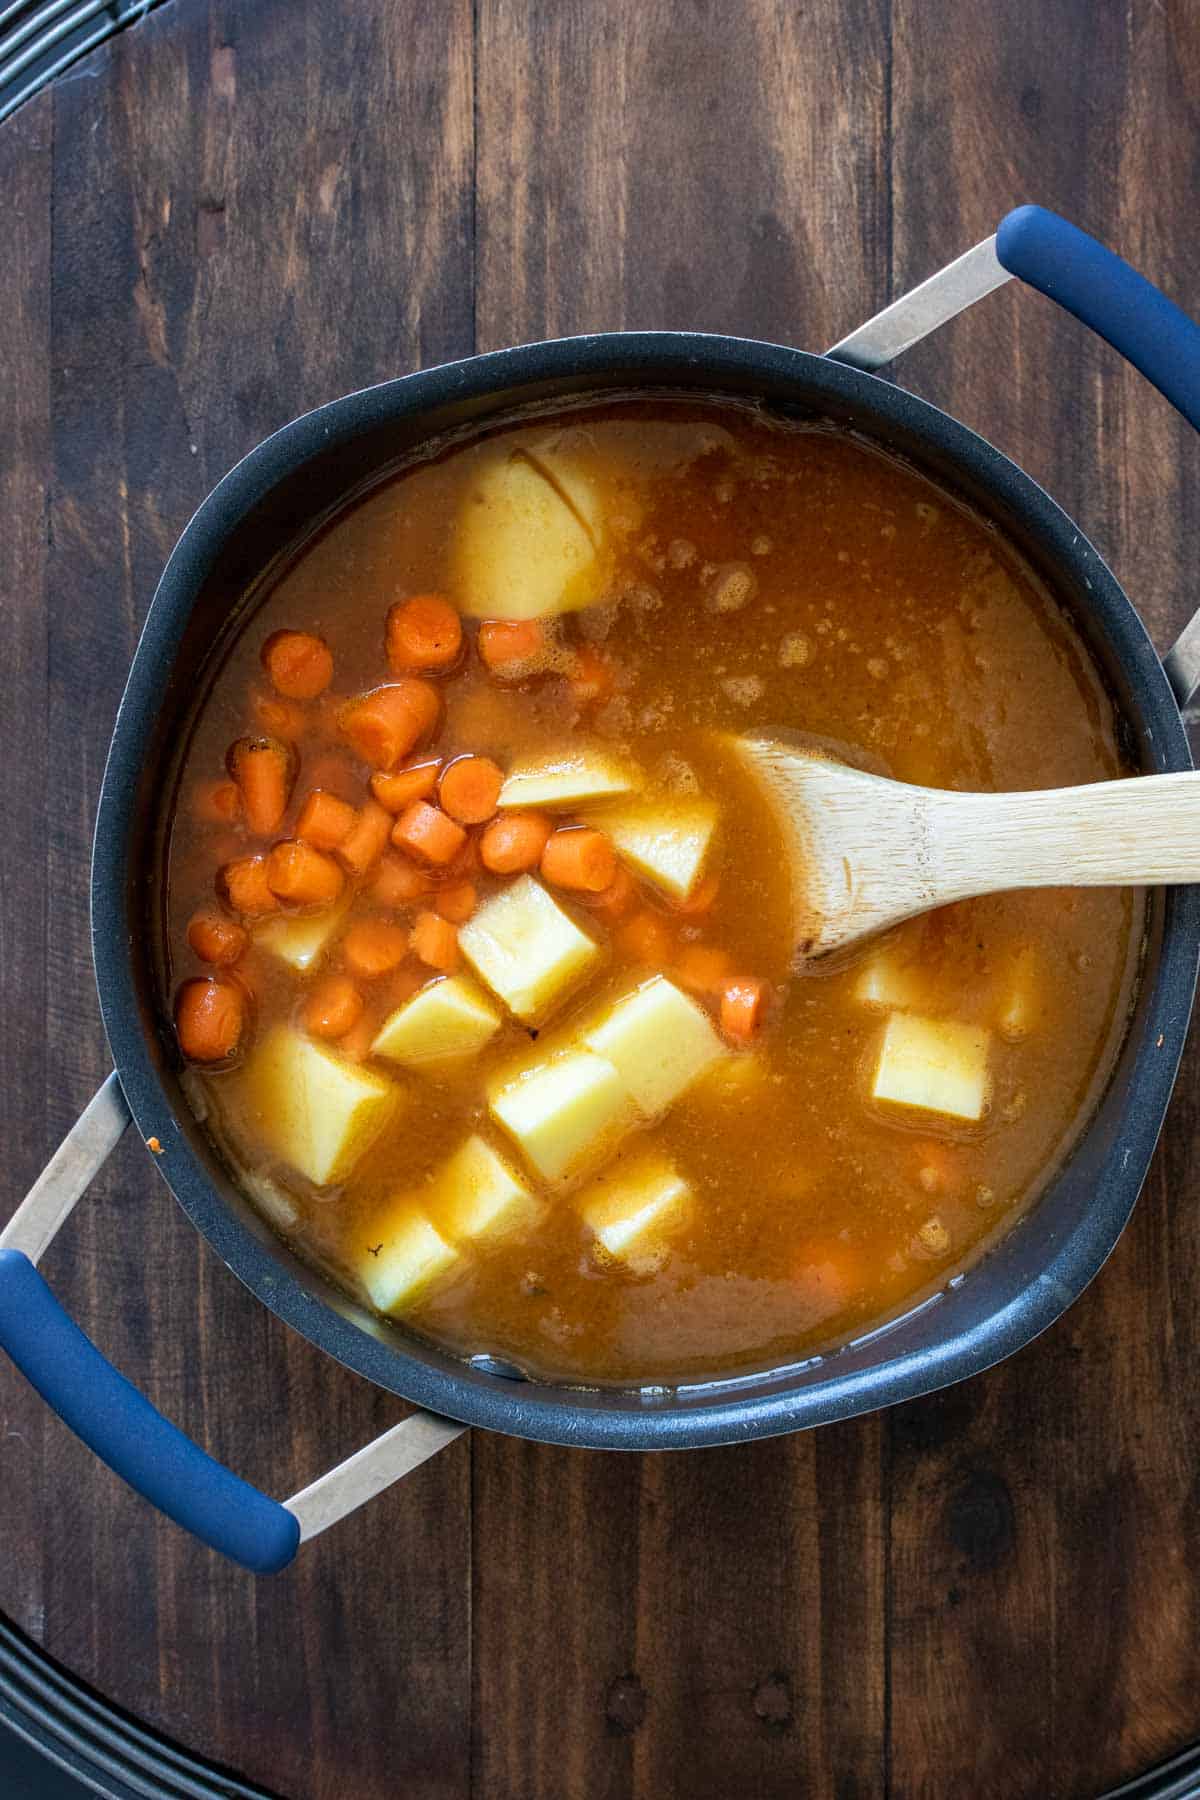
x,y
428,835
303,876
262,768
470,788
324,820
514,843
435,941
244,885
388,722
505,642
374,947
743,1004
618,899
457,902
580,858
217,802
300,665
364,843
278,718
423,633
704,969
646,938
210,1017
592,675
406,785
356,1044
333,1007
399,882
216,939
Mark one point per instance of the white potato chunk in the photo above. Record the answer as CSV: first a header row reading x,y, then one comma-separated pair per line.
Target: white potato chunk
x,y
447,1021
633,1208
658,1041
568,778
664,840
476,1195
527,949
566,1115
938,1065
300,942
887,981
1022,999
404,1255
312,1108
527,539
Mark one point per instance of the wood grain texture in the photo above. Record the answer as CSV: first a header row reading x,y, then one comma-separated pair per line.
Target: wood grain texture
x,y
237,210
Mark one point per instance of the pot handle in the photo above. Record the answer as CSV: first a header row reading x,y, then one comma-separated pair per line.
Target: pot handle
x,y
122,1427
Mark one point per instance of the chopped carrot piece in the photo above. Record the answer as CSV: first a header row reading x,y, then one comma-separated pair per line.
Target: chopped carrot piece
x,y
423,633
303,876
435,941
399,882
217,802
374,947
387,723
356,1044
618,899
262,768
701,897
299,664
743,1003
278,718
333,771
580,858
428,835
216,939
333,1006
466,865
704,969
457,902
646,938
592,675
245,886
514,843
470,788
324,820
505,643
210,1017
406,785
364,843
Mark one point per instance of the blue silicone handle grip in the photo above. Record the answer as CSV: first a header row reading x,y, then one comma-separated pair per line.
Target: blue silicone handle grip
x,y
126,1432
1069,266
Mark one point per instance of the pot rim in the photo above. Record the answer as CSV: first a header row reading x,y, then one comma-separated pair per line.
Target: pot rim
x,y
690,1414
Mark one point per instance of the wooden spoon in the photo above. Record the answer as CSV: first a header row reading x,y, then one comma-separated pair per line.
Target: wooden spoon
x,y
866,852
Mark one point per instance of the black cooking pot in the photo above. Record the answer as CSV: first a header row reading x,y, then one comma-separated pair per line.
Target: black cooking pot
x,y
267,505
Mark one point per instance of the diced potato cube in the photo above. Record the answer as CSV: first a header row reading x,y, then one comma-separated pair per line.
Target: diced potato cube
x,y
476,1195
299,941
632,1209
313,1109
526,542
889,982
936,1064
527,949
446,1021
658,1041
664,840
406,1258
1022,1001
566,1115
568,778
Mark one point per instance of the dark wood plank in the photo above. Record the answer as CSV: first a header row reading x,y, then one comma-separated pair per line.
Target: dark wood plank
x,y
689,1631
1041,1594
25,174
211,278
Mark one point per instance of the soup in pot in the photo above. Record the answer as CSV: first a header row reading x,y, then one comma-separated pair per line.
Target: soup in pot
x,y
478,936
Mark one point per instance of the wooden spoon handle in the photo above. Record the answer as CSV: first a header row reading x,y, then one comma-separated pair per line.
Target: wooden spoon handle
x,y
1144,832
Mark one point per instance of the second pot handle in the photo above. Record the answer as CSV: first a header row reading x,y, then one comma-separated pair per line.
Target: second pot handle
x,y
124,1429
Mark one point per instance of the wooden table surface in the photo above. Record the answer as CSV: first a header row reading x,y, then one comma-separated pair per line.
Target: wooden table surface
x,y
241,208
